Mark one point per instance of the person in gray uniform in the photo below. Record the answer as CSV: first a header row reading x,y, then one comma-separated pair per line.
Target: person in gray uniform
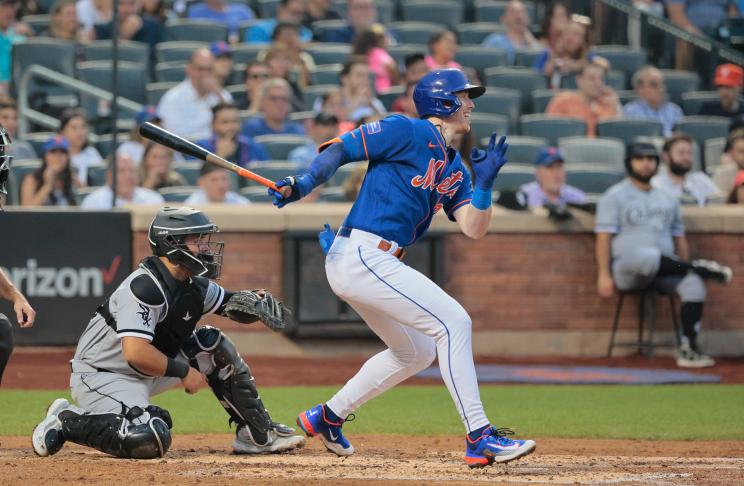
x,y
641,242
24,312
143,340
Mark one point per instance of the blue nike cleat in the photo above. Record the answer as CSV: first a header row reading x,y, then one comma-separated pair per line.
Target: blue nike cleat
x,y
494,446
314,422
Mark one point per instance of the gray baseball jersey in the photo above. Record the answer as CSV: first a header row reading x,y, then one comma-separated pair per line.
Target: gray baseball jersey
x,y
638,218
100,346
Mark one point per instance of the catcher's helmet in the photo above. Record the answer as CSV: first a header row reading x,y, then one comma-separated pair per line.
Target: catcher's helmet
x,y
167,235
5,161
640,149
436,93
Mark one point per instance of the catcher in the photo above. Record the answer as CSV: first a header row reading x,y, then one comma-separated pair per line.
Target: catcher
x,y
143,340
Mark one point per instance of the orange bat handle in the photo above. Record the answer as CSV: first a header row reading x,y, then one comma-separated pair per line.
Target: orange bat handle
x,y
257,178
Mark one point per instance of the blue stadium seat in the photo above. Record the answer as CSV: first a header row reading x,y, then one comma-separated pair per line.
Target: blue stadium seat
x,y
266,8
615,79
326,74
526,57
627,129
38,22
311,93
332,195
410,32
132,82
541,98
246,53
55,54
189,170
195,30
511,177
328,53
522,150
501,101
679,82
623,58
389,96
601,153
525,80
135,52
176,51
475,33
591,179
279,146
491,10
400,51
482,125
693,101
436,11
551,127
323,28
170,72
18,170
386,9
481,58
256,194
177,193
703,128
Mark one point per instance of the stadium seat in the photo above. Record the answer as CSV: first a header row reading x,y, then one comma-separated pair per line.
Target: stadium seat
x,y
476,32
713,151
256,194
344,172
195,30
551,127
601,153
176,51
266,8
436,11
400,51
501,101
322,28
311,93
627,129
511,177
693,101
38,22
246,53
614,79
386,9
55,54
389,96
679,82
326,74
279,146
135,52
482,125
37,140
332,194
82,192
272,169
97,174
177,193
525,80
243,28
480,58
591,179
623,58
132,82
522,150
189,170
541,98
491,10
328,53
18,170
626,96
170,72
301,116
415,32
155,91
103,142
703,128
526,57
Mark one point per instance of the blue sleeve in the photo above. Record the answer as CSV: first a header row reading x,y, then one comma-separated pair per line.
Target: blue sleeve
x,y
464,192
542,60
378,140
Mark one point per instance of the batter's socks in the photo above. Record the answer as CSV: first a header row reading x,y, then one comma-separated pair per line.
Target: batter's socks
x,y
692,313
330,415
477,433
673,266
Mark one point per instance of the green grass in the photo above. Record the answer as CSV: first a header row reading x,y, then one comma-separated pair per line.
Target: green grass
x,y
669,412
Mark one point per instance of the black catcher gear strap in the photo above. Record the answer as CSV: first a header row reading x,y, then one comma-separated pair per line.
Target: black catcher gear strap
x,y
117,435
248,306
214,354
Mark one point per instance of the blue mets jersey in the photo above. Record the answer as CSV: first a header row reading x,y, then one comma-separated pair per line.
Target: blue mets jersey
x,y
411,176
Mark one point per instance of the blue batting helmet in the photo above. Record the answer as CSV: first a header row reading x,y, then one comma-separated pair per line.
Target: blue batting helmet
x,y
435,94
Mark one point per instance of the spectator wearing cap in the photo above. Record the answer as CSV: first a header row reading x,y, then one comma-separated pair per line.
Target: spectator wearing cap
x,y
292,11
549,186
214,188
135,146
592,102
677,178
19,149
516,21
323,127
11,32
736,196
186,109
229,14
127,190
223,61
133,26
728,79
226,140
274,108
52,184
652,104
641,243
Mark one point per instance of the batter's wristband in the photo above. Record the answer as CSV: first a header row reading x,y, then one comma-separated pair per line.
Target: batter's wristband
x,y
482,199
176,369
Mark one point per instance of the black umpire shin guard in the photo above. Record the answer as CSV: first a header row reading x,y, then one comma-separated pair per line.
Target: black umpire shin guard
x,y
214,354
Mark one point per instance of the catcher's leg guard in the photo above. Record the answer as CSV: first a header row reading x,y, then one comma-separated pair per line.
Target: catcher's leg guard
x,y
117,435
214,354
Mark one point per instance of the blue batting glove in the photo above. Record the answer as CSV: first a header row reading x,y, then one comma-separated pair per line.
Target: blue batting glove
x,y
300,187
487,163
325,238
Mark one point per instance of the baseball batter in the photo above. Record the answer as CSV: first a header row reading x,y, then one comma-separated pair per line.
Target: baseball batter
x,y
413,173
142,341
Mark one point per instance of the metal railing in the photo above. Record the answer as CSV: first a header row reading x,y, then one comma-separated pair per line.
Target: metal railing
x,y
26,113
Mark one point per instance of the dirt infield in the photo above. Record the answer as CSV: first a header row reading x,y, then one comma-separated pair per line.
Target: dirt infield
x,y
207,459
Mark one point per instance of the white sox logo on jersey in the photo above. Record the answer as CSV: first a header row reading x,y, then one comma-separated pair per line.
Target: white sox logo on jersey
x,y
446,187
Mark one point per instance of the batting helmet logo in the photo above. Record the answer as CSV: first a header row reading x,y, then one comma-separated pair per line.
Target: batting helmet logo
x,y
436,93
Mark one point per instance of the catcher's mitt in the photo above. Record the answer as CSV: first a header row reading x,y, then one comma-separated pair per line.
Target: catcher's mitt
x,y
248,306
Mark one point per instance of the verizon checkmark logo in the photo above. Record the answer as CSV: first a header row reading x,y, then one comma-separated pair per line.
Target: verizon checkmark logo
x,y
110,273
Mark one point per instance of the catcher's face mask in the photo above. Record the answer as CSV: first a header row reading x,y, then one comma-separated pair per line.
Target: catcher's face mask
x,y
5,161
199,254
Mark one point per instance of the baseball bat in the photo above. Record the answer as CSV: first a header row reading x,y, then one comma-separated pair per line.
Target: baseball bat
x,y
180,144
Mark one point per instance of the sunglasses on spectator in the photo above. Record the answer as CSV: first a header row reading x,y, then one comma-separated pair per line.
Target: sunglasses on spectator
x,y
258,75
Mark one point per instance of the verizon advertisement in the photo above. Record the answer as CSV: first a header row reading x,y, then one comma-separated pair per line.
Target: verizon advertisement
x,y
66,264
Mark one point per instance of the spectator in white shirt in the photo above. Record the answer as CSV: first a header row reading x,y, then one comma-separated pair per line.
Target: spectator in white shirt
x,y
186,109
92,12
74,127
214,188
127,191
677,179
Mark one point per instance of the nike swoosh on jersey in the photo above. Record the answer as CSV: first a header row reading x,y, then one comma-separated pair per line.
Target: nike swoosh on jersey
x,y
432,145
